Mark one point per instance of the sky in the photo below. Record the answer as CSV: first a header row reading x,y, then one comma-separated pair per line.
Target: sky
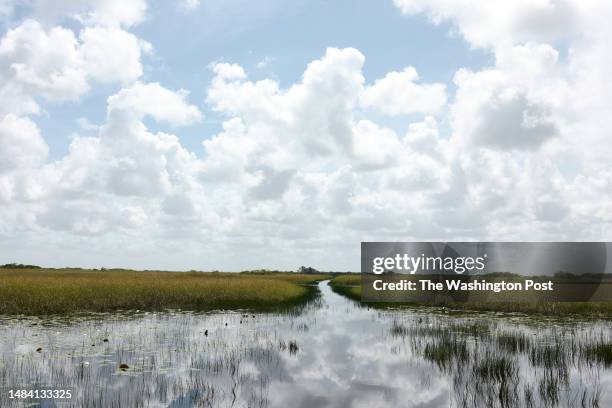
x,y
234,135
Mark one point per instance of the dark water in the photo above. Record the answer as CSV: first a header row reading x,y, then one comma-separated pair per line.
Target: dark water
x,y
332,353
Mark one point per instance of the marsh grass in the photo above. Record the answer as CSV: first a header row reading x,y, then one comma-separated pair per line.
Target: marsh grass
x,y
349,285
599,353
591,309
446,351
56,291
351,292
472,329
485,360
151,359
513,342
550,356
499,369
496,380
352,279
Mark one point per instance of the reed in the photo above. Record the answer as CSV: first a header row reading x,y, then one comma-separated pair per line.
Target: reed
x,y
349,285
55,291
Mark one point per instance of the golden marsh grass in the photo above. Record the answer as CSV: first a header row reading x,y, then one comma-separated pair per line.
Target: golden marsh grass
x,y
349,285
53,291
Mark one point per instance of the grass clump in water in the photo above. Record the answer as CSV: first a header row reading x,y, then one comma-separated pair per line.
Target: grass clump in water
x,y
600,353
500,369
446,351
553,356
513,342
465,328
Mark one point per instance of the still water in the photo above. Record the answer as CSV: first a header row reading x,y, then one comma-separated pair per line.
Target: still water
x,y
330,353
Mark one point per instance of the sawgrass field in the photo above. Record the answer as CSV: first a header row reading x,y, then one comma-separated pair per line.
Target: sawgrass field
x,y
39,291
349,285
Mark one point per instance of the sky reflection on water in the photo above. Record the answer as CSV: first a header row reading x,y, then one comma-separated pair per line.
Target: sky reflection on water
x,y
332,353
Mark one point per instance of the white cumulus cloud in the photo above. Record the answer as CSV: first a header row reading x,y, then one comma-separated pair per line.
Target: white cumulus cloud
x,y
518,149
399,94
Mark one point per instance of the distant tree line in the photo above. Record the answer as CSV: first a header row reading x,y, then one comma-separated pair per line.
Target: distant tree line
x,y
263,271
18,266
302,269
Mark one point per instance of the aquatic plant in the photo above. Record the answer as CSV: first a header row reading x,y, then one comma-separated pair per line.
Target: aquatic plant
x,y
599,352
